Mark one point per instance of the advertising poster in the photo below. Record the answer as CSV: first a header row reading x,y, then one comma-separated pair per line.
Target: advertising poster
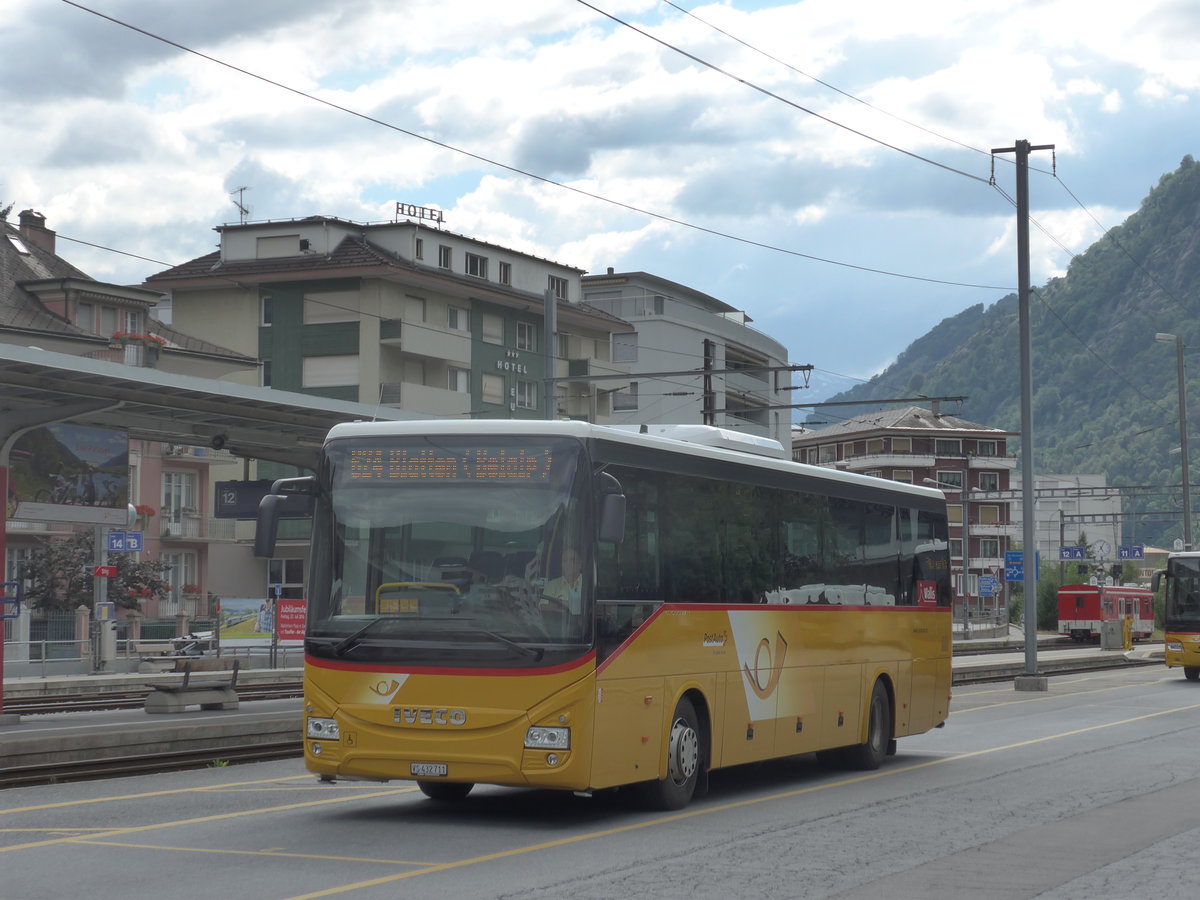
x,y
289,621
245,617
70,473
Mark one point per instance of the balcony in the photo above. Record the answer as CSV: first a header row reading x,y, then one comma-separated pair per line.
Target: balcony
x,y
987,563
177,453
884,460
127,354
996,529
431,343
992,462
390,331
186,526
425,399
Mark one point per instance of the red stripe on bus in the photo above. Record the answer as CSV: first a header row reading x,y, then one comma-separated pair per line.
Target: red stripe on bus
x,y
391,668
795,607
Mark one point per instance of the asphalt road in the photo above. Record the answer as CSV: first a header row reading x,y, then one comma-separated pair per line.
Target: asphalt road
x,y
1089,790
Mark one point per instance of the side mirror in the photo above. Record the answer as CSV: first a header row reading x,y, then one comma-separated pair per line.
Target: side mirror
x,y
270,509
1156,579
267,525
611,509
612,518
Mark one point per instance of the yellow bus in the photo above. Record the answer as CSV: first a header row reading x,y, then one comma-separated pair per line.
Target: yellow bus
x,y
1181,612
570,606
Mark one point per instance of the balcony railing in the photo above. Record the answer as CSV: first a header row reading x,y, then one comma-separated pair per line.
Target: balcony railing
x,y
189,453
423,398
198,528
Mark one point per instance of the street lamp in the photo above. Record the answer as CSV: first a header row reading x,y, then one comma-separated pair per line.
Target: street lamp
x,y
1183,438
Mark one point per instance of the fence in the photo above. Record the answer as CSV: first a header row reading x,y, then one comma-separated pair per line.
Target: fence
x,y
55,636
63,643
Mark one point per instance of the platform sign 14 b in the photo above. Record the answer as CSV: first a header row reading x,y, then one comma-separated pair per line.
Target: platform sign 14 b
x,y
124,542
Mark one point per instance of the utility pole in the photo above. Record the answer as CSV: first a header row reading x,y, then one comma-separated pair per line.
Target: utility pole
x,y
549,341
1031,680
710,417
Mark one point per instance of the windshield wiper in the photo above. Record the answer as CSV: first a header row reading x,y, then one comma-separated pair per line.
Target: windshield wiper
x,y
533,653
354,637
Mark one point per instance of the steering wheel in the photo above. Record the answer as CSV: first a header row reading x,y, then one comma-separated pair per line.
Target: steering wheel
x,y
556,604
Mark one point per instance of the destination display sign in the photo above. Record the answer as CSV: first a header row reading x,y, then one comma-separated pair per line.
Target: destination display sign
x,y
426,464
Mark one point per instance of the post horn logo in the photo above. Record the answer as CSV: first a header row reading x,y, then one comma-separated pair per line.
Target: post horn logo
x,y
769,663
384,688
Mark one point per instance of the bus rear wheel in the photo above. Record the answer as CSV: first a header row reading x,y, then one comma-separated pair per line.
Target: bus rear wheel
x,y
1191,673
879,733
684,758
445,791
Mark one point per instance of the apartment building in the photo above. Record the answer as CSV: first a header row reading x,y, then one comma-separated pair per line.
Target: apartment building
x,y
401,314
681,330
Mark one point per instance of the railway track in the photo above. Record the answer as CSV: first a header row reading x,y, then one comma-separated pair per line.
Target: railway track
x,y
132,699
57,773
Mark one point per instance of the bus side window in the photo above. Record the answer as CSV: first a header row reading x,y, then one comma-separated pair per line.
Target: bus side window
x,y
630,571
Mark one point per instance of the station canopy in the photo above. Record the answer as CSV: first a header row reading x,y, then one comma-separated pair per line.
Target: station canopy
x,y
38,387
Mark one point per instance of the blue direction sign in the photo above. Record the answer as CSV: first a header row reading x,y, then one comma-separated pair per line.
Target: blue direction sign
x,y
1131,551
1072,553
1014,564
124,541
988,586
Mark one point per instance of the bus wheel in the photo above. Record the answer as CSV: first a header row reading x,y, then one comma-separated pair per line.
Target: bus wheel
x,y
445,791
879,733
1191,673
683,762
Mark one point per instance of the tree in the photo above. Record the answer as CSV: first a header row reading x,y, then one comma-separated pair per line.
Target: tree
x,y
57,570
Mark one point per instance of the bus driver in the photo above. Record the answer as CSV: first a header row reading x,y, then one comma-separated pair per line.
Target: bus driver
x,y
567,588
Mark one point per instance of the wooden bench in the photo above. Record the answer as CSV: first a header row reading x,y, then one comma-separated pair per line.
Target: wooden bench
x,y
207,694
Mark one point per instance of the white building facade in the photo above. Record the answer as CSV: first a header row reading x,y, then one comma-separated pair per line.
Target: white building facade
x,y
681,330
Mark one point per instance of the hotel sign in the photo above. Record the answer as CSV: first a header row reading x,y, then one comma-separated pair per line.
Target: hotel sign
x,y
409,211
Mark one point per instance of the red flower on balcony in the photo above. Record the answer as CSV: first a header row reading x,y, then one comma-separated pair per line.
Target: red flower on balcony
x,y
144,510
146,340
191,588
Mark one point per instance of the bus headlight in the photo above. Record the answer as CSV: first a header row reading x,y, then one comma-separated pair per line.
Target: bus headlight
x,y
326,729
539,738
1175,646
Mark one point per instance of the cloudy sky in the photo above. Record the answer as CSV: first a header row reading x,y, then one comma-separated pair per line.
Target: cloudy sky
x,y
824,165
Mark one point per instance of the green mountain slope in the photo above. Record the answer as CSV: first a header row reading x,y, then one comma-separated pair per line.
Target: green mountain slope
x,y
1105,392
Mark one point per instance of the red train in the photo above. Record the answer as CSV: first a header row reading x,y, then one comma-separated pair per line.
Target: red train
x,y
1082,607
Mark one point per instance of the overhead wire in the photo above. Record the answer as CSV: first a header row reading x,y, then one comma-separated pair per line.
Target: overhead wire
x,y
526,173
1033,220
762,90
836,89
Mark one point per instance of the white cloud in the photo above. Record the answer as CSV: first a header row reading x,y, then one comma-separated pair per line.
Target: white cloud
x,y
133,144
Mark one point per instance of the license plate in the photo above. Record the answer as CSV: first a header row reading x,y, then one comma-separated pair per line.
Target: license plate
x,y
424,770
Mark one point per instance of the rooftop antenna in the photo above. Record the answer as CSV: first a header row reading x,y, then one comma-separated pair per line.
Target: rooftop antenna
x,y
242,210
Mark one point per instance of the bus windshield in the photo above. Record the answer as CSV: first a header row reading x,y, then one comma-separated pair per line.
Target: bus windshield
x,y
448,550
1183,595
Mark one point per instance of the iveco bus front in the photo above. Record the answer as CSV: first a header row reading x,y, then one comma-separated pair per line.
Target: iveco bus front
x,y
437,557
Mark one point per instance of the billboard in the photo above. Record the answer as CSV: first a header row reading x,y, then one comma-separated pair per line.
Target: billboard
x,y
70,473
